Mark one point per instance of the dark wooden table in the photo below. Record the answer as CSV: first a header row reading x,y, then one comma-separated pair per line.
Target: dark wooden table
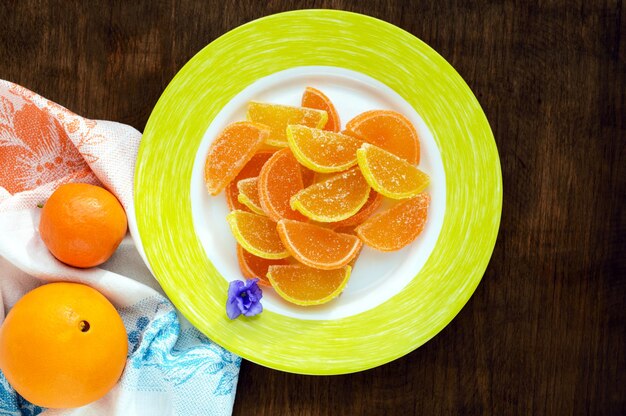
x,y
545,332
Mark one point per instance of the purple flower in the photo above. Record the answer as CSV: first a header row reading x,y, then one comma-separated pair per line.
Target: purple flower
x,y
244,298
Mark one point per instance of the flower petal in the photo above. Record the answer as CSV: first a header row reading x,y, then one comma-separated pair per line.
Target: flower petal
x,y
243,302
255,309
232,310
235,288
253,289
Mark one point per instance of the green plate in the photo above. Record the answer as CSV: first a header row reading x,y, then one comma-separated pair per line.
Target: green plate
x,y
395,302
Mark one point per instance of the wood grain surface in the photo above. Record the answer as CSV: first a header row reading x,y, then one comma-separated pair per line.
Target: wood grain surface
x,y
545,332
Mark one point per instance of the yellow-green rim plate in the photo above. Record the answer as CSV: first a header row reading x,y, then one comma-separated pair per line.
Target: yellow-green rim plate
x,y
324,38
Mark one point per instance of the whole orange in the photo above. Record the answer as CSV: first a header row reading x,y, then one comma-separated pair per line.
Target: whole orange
x,y
82,225
63,345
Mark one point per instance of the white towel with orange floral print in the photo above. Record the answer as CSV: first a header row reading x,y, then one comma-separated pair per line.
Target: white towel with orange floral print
x,y
172,369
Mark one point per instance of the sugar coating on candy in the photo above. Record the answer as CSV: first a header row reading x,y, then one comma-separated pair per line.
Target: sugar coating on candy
x,y
313,98
257,234
249,194
251,169
397,227
374,201
322,151
308,175
317,246
230,152
305,285
335,199
280,179
388,130
252,266
278,117
389,174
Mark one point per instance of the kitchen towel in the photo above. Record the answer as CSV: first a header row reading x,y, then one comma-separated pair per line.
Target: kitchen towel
x,y
172,369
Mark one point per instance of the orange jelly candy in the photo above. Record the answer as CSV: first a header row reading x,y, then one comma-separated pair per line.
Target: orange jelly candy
x,y
334,199
252,266
230,151
280,179
322,151
388,130
308,176
398,226
305,285
278,117
249,194
374,201
250,170
389,174
317,246
257,234
313,98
